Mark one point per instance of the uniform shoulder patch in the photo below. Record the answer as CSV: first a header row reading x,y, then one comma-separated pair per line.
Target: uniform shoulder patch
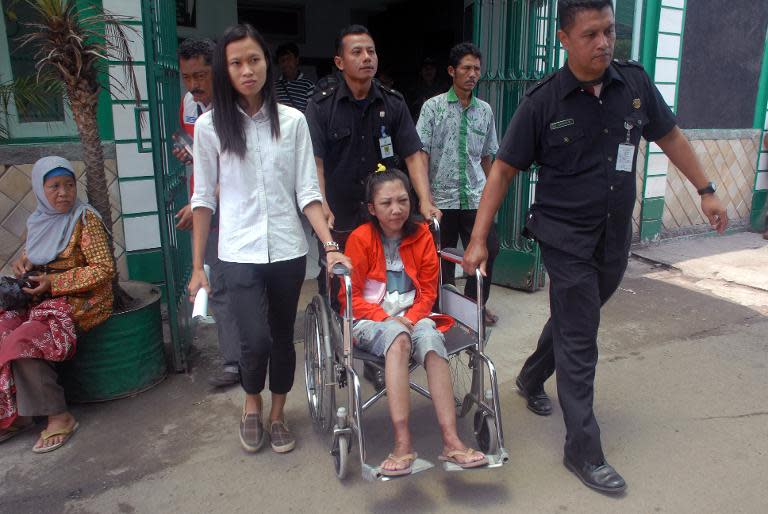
x,y
391,91
627,62
323,94
539,83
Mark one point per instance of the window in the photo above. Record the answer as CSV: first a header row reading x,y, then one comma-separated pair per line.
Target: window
x,y
54,119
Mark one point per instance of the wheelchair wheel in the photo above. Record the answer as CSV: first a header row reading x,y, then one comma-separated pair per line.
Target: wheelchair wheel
x,y
485,433
319,365
340,454
461,365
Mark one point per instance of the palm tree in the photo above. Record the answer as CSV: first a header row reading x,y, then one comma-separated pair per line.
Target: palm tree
x,y
73,45
27,93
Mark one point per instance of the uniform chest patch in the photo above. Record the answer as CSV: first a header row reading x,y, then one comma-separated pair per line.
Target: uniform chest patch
x,y
560,124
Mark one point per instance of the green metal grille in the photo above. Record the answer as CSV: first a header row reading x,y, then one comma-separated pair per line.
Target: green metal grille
x,y
159,20
519,45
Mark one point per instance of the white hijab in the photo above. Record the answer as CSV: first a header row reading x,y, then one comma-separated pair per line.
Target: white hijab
x,y
48,230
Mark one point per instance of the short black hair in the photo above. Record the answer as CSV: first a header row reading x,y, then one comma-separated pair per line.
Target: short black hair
x,y
461,50
346,31
567,9
287,48
191,48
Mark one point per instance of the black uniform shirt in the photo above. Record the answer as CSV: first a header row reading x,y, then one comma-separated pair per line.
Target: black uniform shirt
x,y
575,137
345,135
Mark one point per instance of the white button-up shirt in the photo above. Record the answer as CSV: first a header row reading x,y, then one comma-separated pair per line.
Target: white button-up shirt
x,y
258,194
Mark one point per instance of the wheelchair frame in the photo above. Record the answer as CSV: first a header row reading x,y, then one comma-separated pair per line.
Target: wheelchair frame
x,y
329,363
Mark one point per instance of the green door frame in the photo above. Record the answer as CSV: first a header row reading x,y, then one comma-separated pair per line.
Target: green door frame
x,y
759,210
518,40
159,20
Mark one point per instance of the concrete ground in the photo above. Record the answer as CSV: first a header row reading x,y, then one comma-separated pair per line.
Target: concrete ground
x,y
680,396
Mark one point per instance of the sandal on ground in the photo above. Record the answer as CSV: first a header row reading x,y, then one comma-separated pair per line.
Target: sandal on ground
x,y
14,430
452,455
45,435
408,457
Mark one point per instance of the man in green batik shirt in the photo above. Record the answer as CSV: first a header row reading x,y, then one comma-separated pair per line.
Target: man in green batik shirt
x,y
459,136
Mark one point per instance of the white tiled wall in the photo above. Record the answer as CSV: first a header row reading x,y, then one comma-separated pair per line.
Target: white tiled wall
x,y
138,196
141,233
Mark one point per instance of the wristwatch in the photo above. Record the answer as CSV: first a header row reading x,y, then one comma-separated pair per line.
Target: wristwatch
x,y
708,190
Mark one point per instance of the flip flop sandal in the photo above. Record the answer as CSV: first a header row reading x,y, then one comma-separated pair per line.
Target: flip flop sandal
x,y
14,430
45,434
409,457
451,457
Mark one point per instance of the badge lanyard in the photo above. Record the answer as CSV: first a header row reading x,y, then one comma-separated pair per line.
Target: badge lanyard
x,y
626,153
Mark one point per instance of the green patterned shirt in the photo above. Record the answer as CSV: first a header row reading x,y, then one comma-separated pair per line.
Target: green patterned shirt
x,y
456,139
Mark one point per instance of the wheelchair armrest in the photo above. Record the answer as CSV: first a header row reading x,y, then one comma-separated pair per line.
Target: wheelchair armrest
x,y
453,255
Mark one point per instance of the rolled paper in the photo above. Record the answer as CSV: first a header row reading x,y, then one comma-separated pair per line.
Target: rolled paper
x,y
200,307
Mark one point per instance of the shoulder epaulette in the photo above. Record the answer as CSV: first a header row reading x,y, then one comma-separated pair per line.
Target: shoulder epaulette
x,y
539,83
391,91
322,94
627,62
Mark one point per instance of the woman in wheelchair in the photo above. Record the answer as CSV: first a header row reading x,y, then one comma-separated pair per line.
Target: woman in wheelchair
x,y
394,285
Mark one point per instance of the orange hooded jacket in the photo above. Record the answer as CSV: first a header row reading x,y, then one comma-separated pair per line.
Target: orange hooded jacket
x,y
366,251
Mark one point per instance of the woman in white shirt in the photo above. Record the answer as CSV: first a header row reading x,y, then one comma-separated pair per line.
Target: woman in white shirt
x,y
259,154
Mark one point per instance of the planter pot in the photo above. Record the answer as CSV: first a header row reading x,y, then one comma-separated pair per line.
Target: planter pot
x,y
121,357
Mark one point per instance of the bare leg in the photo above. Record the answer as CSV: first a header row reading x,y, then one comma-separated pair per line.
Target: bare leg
x,y
439,380
252,403
278,404
398,397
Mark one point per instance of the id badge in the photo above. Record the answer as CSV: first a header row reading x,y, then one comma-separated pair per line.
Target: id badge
x,y
385,143
625,157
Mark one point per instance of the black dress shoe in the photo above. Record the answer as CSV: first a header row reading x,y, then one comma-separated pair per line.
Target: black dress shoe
x,y
600,477
538,401
374,375
224,379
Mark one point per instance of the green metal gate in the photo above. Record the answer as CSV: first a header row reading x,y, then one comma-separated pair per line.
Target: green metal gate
x,y
159,20
519,45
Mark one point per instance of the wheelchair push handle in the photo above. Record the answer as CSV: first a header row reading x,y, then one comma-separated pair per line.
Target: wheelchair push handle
x,y
456,256
340,269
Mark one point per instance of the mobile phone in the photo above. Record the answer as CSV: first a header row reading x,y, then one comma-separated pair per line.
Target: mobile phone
x,y
183,140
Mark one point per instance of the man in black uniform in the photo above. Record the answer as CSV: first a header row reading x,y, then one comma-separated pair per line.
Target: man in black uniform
x,y
356,124
583,124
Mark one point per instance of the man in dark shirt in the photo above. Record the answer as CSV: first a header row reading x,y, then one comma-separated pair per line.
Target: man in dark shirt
x,y
582,125
355,125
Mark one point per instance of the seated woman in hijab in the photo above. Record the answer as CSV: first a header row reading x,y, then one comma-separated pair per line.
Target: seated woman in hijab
x,y
69,265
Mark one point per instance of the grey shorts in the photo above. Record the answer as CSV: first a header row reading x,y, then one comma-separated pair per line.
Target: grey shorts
x,y
376,337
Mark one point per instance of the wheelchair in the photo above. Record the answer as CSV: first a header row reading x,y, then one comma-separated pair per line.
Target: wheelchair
x,y
329,356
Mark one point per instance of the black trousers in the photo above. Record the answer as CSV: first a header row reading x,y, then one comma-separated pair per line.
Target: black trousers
x,y
229,339
263,300
578,288
457,223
